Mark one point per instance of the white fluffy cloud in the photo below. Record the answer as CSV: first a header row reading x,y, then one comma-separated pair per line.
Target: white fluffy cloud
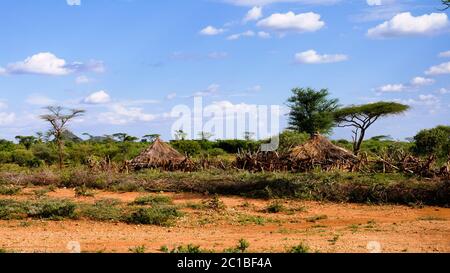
x,y
444,54
420,81
99,97
6,118
389,88
312,57
440,69
404,24
254,14
121,115
302,22
46,63
250,3
211,31
73,2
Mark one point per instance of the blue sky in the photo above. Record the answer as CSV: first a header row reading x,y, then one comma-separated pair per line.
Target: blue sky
x,y
129,62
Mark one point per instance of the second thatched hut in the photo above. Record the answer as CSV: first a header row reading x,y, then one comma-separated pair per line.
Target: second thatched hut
x,y
160,155
320,152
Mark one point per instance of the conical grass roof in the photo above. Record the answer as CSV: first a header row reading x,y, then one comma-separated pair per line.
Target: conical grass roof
x,y
158,154
320,149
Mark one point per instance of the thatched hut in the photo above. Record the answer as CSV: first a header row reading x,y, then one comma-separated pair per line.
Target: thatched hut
x,y
320,152
160,155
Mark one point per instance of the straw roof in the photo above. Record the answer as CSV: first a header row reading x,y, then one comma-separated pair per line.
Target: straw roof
x,y
159,154
320,149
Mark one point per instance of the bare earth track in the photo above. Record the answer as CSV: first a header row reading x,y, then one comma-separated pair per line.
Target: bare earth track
x,y
324,227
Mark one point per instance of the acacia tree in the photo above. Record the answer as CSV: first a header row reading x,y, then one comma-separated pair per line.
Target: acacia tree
x,y
58,117
446,3
26,141
311,110
361,117
150,137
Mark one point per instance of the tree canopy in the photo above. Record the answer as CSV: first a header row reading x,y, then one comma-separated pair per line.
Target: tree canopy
x,y
361,117
311,111
433,141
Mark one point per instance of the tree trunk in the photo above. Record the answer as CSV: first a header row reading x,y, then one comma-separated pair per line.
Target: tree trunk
x,y
60,153
358,142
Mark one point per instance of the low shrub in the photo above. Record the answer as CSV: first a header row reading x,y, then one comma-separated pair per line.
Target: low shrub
x,y
157,215
9,190
301,248
152,200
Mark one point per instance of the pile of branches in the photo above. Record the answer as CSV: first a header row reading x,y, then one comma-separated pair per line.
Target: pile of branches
x,y
187,165
262,161
402,161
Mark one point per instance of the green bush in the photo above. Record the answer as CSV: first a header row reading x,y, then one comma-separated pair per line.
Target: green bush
x,y
103,210
52,209
189,147
152,200
434,141
157,215
290,139
301,248
275,207
9,190
24,158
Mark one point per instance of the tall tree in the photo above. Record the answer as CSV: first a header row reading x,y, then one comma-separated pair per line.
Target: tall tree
x,y
26,141
205,135
361,117
124,137
59,117
311,111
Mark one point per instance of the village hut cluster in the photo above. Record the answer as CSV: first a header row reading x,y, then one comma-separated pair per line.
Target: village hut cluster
x,y
318,152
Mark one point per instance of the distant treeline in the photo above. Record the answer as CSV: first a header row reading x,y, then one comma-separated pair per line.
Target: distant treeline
x,y
35,151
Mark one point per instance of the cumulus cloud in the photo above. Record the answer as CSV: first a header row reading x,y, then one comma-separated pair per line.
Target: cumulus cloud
x,y
302,22
312,57
444,91
46,63
254,14
211,31
444,54
99,97
420,81
250,3
440,69
6,118
73,2
405,24
391,88
121,115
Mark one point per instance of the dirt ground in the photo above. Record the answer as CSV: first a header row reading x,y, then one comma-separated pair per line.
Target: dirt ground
x,y
324,227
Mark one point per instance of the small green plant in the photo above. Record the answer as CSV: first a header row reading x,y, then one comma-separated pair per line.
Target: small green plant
x,y
250,219
164,249
157,215
138,249
9,190
301,248
334,240
190,248
83,191
214,203
152,200
275,207
241,247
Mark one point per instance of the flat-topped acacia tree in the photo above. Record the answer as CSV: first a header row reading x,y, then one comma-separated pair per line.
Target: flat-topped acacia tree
x,y
58,117
361,117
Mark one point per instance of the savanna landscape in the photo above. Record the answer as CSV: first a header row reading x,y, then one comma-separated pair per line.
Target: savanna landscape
x,y
344,174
